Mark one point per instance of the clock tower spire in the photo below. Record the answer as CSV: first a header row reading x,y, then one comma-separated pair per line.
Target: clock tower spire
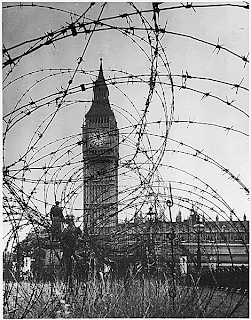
x,y
100,161
100,104
100,89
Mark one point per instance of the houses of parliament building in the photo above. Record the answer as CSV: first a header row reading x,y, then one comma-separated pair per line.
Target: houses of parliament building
x,y
221,242
193,241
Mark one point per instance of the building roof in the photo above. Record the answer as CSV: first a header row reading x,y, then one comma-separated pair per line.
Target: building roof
x,y
100,105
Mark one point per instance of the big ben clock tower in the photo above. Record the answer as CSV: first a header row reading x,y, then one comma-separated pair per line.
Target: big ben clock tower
x,y
100,161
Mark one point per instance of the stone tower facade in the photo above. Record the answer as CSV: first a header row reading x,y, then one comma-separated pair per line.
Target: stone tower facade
x,y
100,161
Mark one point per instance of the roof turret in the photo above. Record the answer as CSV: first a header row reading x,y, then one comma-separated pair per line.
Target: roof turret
x,y
100,105
101,91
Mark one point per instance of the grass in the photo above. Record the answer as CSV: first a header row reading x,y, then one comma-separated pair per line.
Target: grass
x,y
138,299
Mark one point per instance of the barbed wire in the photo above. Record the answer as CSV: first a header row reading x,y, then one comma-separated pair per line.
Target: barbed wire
x,y
163,135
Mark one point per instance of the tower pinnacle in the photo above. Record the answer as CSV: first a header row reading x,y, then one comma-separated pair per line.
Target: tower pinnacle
x,y
100,104
101,74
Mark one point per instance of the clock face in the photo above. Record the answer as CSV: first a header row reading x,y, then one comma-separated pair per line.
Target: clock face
x,y
98,138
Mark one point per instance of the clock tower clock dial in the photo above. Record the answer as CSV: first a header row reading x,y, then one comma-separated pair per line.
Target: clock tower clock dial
x,y
100,158
98,138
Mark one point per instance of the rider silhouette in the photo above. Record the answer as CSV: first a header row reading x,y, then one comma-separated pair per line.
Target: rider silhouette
x,y
69,244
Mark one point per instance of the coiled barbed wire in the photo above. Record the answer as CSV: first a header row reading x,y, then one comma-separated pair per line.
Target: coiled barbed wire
x,y
177,121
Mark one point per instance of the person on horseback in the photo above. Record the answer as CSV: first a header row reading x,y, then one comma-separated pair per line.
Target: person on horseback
x,y
70,235
69,242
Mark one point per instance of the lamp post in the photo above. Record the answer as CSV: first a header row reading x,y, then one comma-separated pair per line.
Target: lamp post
x,y
172,291
151,244
198,227
151,214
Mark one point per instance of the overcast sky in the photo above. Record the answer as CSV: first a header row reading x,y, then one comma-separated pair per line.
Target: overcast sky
x,y
227,26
